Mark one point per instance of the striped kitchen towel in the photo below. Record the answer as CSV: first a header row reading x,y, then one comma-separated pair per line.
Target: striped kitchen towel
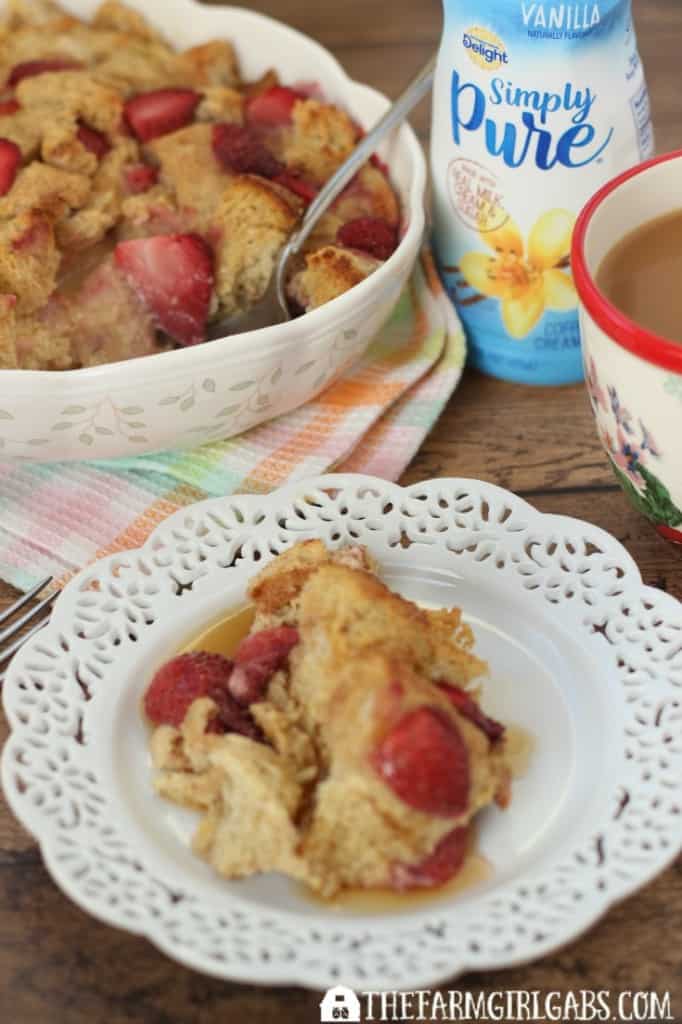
x,y
56,518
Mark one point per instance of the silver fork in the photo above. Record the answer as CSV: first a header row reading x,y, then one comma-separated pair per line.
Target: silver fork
x,y
11,627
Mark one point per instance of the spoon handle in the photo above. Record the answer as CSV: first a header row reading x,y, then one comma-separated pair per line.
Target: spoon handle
x,y
360,155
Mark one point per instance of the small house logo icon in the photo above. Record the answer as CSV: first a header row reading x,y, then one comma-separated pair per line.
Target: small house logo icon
x,y
339,1004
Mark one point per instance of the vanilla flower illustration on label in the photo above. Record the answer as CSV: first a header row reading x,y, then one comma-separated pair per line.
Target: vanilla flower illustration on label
x,y
526,281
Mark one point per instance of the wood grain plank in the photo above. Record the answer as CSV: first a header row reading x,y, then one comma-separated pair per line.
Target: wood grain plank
x,y
82,971
361,22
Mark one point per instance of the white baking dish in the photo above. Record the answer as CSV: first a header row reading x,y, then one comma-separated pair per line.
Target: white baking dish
x,y
186,397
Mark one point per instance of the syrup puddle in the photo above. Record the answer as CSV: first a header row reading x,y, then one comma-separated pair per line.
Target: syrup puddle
x,y
223,637
474,871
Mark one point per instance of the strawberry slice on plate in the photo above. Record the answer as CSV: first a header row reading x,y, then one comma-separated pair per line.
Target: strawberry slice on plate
x,y
425,761
31,68
94,141
274,107
10,162
188,677
257,659
180,682
173,275
442,864
151,114
468,708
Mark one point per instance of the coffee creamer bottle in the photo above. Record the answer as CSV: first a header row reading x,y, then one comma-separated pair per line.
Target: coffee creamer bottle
x,y
536,105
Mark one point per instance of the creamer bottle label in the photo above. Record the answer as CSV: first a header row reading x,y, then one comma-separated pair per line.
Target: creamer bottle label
x,y
536,105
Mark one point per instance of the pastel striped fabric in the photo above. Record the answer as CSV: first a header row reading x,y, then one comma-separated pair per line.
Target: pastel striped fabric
x,y
56,518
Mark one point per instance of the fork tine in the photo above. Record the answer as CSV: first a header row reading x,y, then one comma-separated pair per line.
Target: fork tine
x,y
23,601
20,641
18,624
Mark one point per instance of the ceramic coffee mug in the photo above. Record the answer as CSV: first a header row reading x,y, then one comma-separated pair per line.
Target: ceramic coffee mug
x,y
633,376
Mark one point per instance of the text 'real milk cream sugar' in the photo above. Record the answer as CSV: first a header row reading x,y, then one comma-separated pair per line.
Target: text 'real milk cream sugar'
x,y
536,105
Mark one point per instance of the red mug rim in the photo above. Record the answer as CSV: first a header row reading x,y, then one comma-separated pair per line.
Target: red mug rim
x,y
625,332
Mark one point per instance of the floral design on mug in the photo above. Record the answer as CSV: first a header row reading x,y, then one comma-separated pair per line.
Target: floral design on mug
x,y
526,280
633,451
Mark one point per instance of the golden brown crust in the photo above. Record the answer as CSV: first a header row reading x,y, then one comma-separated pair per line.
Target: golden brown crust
x,y
117,16
74,95
20,13
8,351
43,338
220,103
211,64
277,587
328,273
136,65
254,219
320,139
39,186
103,207
29,259
188,169
25,130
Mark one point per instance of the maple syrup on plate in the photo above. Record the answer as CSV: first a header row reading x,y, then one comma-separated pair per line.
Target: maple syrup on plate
x,y
224,636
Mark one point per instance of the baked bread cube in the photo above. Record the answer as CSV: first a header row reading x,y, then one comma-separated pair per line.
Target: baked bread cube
x,y
254,220
328,273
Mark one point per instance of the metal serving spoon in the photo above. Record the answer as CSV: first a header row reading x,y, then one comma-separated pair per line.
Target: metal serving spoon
x,y
273,308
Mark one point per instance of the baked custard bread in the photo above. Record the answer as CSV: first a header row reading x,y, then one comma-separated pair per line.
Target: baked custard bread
x,y
164,184
342,744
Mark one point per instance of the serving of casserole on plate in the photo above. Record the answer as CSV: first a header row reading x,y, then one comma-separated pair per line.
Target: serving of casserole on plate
x,y
580,656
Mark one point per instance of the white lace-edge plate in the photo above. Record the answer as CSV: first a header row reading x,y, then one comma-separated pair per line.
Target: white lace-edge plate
x,y
581,653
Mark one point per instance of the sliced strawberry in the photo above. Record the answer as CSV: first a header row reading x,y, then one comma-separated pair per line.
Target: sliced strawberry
x,y
371,235
94,141
268,644
31,68
305,189
273,107
240,150
249,682
257,659
151,114
425,762
468,708
181,681
140,177
173,274
9,107
438,868
231,717
10,162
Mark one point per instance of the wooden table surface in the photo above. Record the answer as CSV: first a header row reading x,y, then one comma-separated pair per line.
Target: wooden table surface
x,y
59,966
